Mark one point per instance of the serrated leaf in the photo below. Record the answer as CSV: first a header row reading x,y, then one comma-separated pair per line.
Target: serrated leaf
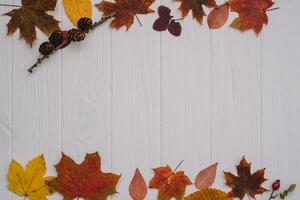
x,y
30,182
76,9
206,177
32,14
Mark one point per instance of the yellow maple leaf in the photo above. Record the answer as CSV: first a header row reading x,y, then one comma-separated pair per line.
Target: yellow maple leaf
x,y
29,183
76,9
208,194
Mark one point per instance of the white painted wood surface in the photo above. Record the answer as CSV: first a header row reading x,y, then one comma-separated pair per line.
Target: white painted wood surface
x,y
144,99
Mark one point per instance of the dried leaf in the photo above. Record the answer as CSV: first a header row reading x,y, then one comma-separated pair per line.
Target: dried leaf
x,y
206,177
124,11
245,182
174,28
218,16
32,14
85,180
169,184
196,7
76,9
138,187
30,182
252,14
208,194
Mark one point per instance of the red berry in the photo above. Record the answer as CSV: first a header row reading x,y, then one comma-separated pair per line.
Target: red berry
x,y
276,185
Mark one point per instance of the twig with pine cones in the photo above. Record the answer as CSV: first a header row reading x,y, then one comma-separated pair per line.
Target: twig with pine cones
x,y
61,39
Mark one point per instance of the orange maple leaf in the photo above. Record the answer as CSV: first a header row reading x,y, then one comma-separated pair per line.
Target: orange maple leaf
x,y
169,183
245,182
197,8
252,14
85,180
124,11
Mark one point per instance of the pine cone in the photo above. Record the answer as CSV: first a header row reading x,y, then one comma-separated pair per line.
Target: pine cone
x,y
56,38
85,24
76,35
46,48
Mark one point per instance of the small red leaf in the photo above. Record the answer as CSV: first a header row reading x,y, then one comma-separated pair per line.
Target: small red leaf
x,y
174,28
161,24
138,187
218,16
164,11
206,177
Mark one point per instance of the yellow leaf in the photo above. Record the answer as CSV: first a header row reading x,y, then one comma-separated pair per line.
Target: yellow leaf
x,y
208,194
76,9
30,182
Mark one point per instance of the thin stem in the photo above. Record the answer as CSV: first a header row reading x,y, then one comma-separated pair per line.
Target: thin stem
x,y
138,20
273,9
10,5
271,195
178,166
24,198
41,58
248,197
179,19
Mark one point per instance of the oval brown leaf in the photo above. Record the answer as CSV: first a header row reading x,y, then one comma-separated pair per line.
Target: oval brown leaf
x,y
218,16
206,177
138,187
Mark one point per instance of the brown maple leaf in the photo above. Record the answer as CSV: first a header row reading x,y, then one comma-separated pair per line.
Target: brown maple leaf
x,y
124,11
197,8
252,14
245,182
169,183
32,14
85,180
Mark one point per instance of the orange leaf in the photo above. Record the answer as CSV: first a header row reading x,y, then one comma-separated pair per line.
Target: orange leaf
x,y
218,16
138,187
85,180
245,182
169,183
206,177
124,11
252,14
196,7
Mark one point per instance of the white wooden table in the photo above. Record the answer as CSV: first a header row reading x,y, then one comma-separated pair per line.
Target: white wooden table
x,y
144,99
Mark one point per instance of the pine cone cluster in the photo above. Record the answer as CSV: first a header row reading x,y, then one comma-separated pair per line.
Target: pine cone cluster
x,y
60,39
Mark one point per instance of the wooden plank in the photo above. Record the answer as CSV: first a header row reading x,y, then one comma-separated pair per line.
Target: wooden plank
x,y
185,101
236,106
36,103
281,95
86,94
135,102
6,57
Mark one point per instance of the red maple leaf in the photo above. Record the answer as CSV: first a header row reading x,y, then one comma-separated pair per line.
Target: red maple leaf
x,y
252,14
85,180
169,183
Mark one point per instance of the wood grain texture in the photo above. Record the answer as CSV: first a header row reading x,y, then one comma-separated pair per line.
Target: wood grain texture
x,y
144,99
235,98
135,103
86,91
281,95
185,100
6,57
36,104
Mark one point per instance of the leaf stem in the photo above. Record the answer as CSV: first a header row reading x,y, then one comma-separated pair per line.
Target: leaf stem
x,y
271,195
271,9
41,58
178,166
138,20
10,5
